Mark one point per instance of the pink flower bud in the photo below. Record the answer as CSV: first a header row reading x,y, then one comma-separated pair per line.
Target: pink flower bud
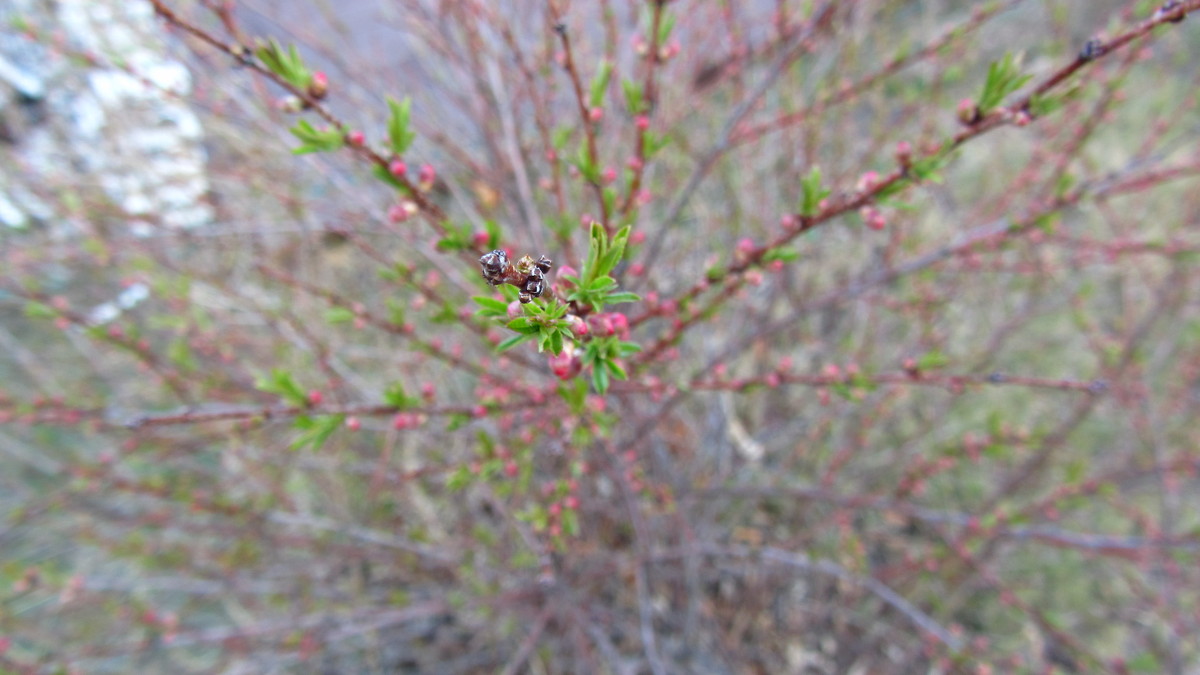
x,y
357,138
353,423
602,325
873,217
315,397
620,324
398,168
579,327
867,181
426,177
318,87
642,122
610,175
968,112
403,211
639,46
565,365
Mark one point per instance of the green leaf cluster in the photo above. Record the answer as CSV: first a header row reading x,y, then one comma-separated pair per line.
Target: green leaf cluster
x,y
1004,77
315,431
543,321
281,383
599,84
602,354
811,192
400,136
665,26
594,286
317,140
397,397
588,168
635,100
546,323
285,63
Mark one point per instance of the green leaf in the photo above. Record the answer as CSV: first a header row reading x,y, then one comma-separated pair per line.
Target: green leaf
x,y
490,306
784,253
560,137
812,192
600,378
626,348
383,174
514,341
623,296
460,479
37,310
1004,77
399,134
932,360
599,84
339,315
616,370
601,284
317,140
456,421
397,397
286,64
665,26
633,97
524,324
583,162
316,430
570,522
181,354
280,383
655,143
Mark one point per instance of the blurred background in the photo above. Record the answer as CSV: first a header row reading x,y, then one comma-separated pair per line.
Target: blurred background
x,y
961,442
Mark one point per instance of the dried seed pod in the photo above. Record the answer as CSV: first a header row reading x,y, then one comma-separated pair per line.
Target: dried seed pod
x,y
495,266
528,275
